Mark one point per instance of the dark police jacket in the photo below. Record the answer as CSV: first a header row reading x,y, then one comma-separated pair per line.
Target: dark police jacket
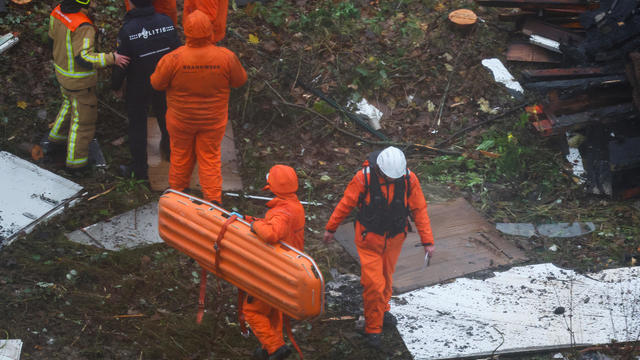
x,y
145,37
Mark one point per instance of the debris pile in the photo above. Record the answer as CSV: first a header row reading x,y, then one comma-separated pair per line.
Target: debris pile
x,y
585,63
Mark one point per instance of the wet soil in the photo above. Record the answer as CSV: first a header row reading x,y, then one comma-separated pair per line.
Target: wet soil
x,y
70,301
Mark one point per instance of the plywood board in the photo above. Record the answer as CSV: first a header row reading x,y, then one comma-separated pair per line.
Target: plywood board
x,y
531,307
531,53
465,243
131,229
159,168
30,195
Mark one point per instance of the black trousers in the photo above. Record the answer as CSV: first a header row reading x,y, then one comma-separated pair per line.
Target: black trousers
x,y
137,110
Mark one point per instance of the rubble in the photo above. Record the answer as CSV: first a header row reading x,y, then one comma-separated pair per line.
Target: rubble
x,y
591,87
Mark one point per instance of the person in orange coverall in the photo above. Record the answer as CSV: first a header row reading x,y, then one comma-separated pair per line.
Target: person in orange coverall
x,y
283,222
167,7
216,10
197,78
380,229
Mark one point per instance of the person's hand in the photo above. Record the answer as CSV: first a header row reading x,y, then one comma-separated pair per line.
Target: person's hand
x,y
121,60
328,237
429,249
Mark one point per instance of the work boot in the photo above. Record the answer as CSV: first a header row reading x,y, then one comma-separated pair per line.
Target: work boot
x,y
51,149
389,320
260,354
282,353
375,340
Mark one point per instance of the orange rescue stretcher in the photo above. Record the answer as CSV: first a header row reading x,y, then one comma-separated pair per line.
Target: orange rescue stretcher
x,y
279,275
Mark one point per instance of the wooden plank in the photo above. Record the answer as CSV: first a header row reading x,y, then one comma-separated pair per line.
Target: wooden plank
x,y
465,243
564,73
555,106
159,168
585,83
531,53
534,26
604,114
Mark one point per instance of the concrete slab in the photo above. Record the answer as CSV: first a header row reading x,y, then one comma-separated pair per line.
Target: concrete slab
x,y
159,168
29,196
10,349
134,228
465,243
531,307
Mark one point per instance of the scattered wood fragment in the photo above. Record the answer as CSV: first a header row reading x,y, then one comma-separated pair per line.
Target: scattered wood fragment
x,y
101,194
128,316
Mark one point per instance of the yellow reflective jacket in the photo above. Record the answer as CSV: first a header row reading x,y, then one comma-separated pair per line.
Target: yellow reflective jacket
x,y
74,56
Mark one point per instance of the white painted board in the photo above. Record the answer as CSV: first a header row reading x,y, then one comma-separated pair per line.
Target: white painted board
x,y
29,195
515,310
134,228
10,349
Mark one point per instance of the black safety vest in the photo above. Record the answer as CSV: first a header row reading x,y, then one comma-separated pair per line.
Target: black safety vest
x,y
379,216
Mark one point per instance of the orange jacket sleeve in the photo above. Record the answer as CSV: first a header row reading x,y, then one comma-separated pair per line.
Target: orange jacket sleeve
x,y
418,208
347,203
161,77
237,74
274,227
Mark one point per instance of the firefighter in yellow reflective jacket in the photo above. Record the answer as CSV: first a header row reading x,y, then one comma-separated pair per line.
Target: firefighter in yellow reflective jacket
x,y
75,61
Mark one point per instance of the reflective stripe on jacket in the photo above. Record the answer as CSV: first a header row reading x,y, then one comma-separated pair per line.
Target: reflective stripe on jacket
x,y
74,57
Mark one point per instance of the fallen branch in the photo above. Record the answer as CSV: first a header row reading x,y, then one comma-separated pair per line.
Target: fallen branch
x,y
483,122
113,110
371,142
101,194
128,316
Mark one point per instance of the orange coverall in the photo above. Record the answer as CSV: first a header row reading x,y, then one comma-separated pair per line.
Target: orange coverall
x,y
283,222
197,78
378,254
216,10
167,7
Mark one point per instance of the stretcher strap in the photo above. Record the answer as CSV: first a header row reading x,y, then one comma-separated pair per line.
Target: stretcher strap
x,y
203,273
203,291
218,244
241,320
287,326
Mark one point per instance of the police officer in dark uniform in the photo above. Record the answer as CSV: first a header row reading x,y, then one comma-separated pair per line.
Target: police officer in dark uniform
x,y
145,37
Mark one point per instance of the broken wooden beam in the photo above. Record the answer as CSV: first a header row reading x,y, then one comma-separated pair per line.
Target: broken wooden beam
x,y
605,114
531,53
534,26
583,102
565,73
586,83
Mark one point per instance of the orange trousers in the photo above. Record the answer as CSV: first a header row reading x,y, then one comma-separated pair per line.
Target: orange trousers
x,y
265,322
190,142
378,260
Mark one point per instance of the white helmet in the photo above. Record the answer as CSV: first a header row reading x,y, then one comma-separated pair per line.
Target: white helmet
x,y
392,163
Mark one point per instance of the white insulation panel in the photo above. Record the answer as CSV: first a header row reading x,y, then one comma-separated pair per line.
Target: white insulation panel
x,y
520,309
28,195
137,227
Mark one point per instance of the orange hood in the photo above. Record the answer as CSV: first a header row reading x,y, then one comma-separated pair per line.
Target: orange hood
x,y
197,26
282,179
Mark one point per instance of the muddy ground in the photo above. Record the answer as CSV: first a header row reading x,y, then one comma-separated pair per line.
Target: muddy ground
x,y
69,301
